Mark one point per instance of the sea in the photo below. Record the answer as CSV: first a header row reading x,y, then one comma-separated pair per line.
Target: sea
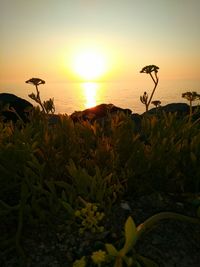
x,y
72,96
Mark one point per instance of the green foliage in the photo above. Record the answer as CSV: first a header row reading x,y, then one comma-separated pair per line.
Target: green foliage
x,y
168,151
45,169
120,256
127,254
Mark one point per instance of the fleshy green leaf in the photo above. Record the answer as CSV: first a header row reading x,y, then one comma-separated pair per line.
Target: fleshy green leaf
x,y
112,251
67,206
130,236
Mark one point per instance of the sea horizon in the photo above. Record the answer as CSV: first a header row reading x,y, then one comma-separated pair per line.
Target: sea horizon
x,y
76,96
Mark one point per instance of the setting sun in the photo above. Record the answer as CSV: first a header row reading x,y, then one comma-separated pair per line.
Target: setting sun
x,y
90,64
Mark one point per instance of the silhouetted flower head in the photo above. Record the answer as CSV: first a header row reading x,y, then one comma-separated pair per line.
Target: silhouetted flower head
x,y
33,96
144,98
36,81
191,96
150,68
156,103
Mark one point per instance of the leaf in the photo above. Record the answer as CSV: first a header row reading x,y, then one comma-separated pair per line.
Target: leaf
x,y
64,185
72,168
137,264
146,262
129,261
51,187
112,251
63,196
67,206
130,236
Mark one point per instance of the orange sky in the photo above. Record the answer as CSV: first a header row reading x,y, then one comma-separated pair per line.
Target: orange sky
x,y
40,38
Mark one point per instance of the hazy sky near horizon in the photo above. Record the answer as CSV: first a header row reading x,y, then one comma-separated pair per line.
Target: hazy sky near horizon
x,y
38,38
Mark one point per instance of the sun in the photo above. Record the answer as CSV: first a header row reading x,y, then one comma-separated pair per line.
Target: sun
x,y
90,64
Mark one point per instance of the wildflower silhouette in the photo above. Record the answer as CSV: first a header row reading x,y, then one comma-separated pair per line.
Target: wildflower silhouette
x,y
47,106
152,70
191,96
156,103
144,99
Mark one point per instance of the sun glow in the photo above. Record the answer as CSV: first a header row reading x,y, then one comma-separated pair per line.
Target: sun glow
x,y
90,64
90,91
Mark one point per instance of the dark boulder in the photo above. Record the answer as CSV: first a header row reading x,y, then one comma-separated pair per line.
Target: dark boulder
x,y
13,103
98,112
179,108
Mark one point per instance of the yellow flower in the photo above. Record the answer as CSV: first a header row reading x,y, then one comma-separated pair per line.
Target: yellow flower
x,y
80,263
98,256
77,213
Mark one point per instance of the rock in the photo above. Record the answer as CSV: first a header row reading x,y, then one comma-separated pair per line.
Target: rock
x,y
97,112
20,105
179,108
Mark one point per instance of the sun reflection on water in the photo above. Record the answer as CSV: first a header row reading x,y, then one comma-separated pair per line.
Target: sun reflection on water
x,y
90,91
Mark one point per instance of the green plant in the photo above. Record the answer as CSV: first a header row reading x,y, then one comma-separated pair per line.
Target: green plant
x,y
191,96
47,106
89,217
127,254
149,70
169,149
131,237
51,166
97,188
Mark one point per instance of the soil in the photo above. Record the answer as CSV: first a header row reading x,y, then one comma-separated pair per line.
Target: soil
x,y
170,243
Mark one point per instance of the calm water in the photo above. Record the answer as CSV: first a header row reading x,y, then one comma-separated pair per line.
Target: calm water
x,y
69,97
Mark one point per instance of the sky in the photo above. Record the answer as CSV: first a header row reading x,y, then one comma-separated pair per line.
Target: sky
x,y
41,38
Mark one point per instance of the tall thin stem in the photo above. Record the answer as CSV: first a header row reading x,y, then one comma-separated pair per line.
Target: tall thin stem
x,y
148,70
190,108
38,97
156,83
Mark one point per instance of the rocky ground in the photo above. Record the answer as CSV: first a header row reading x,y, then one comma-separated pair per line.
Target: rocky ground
x,y
169,244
